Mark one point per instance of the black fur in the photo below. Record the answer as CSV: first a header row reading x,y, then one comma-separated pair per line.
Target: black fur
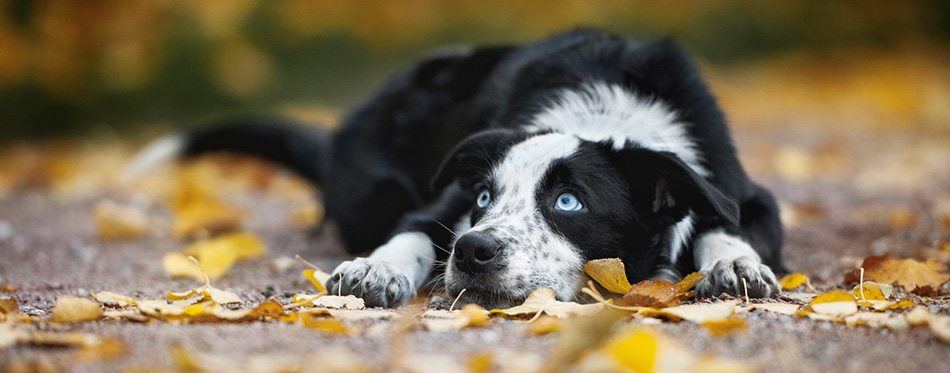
x,y
454,114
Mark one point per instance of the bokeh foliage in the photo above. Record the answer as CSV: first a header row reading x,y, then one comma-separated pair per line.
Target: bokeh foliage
x,y
68,66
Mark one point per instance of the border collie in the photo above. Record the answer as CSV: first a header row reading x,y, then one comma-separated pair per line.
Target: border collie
x,y
507,168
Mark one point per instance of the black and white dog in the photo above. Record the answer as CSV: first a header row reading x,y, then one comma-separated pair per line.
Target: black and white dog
x,y
510,167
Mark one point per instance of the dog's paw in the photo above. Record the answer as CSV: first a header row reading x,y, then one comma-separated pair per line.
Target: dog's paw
x,y
380,284
727,274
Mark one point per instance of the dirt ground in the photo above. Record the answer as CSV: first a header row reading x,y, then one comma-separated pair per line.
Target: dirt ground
x,y
845,195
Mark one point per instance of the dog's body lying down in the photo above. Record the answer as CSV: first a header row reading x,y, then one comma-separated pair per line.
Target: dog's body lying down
x,y
510,167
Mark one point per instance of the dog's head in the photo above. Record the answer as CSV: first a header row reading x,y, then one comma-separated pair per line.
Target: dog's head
x,y
544,203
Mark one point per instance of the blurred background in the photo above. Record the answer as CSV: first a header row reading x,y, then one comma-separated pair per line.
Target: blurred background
x,y
72,68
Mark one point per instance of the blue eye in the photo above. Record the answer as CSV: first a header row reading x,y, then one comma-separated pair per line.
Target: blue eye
x,y
568,202
483,198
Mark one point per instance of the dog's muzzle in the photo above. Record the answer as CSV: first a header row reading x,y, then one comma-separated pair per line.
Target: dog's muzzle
x,y
477,253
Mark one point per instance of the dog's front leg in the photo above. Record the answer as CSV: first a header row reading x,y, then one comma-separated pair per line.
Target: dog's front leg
x,y
726,259
391,275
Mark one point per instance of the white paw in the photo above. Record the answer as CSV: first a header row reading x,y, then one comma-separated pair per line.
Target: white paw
x,y
380,284
726,277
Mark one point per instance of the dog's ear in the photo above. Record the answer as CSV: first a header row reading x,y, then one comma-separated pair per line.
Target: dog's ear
x,y
475,156
664,187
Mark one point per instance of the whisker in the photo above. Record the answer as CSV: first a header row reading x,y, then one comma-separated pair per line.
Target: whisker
x,y
440,248
446,228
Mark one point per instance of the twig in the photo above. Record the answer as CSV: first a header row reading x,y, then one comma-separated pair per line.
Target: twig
x,y
745,288
298,257
861,284
456,300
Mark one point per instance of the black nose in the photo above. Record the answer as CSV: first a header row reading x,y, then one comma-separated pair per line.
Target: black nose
x,y
476,252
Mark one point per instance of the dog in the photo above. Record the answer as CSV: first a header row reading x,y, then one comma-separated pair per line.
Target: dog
x,y
502,169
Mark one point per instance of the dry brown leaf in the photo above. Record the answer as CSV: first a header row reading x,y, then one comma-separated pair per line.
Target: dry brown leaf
x,y
609,273
74,309
118,221
654,294
916,277
7,288
725,326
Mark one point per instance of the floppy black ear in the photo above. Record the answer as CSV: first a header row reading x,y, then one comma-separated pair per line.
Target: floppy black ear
x,y
666,188
474,156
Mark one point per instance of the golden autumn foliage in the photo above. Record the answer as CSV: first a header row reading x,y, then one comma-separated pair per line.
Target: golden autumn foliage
x,y
913,276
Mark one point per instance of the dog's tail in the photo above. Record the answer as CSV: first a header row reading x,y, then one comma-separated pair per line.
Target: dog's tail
x,y
301,148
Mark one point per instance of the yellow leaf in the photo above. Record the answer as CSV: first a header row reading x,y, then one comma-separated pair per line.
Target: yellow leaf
x,y
307,215
833,296
725,326
317,278
74,309
921,278
9,306
872,291
178,265
216,255
543,300
113,299
545,325
609,273
688,282
322,324
703,312
635,350
116,221
104,349
902,305
792,281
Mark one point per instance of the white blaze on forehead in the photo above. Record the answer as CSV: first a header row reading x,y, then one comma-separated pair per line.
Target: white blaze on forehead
x,y
525,164
602,112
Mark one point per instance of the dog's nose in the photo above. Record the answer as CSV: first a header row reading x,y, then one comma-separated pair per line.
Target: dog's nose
x,y
475,252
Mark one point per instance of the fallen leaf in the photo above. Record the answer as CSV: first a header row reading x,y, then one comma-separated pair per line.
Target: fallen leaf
x,y
782,308
118,221
688,283
877,320
545,325
216,255
102,349
635,351
317,278
725,326
323,324
902,218
794,280
110,299
703,312
7,288
654,294
74,309
9,306
347,302
544,300
916,277
609,273
833,296
837,309
198,211
871,291
938,324
308,214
